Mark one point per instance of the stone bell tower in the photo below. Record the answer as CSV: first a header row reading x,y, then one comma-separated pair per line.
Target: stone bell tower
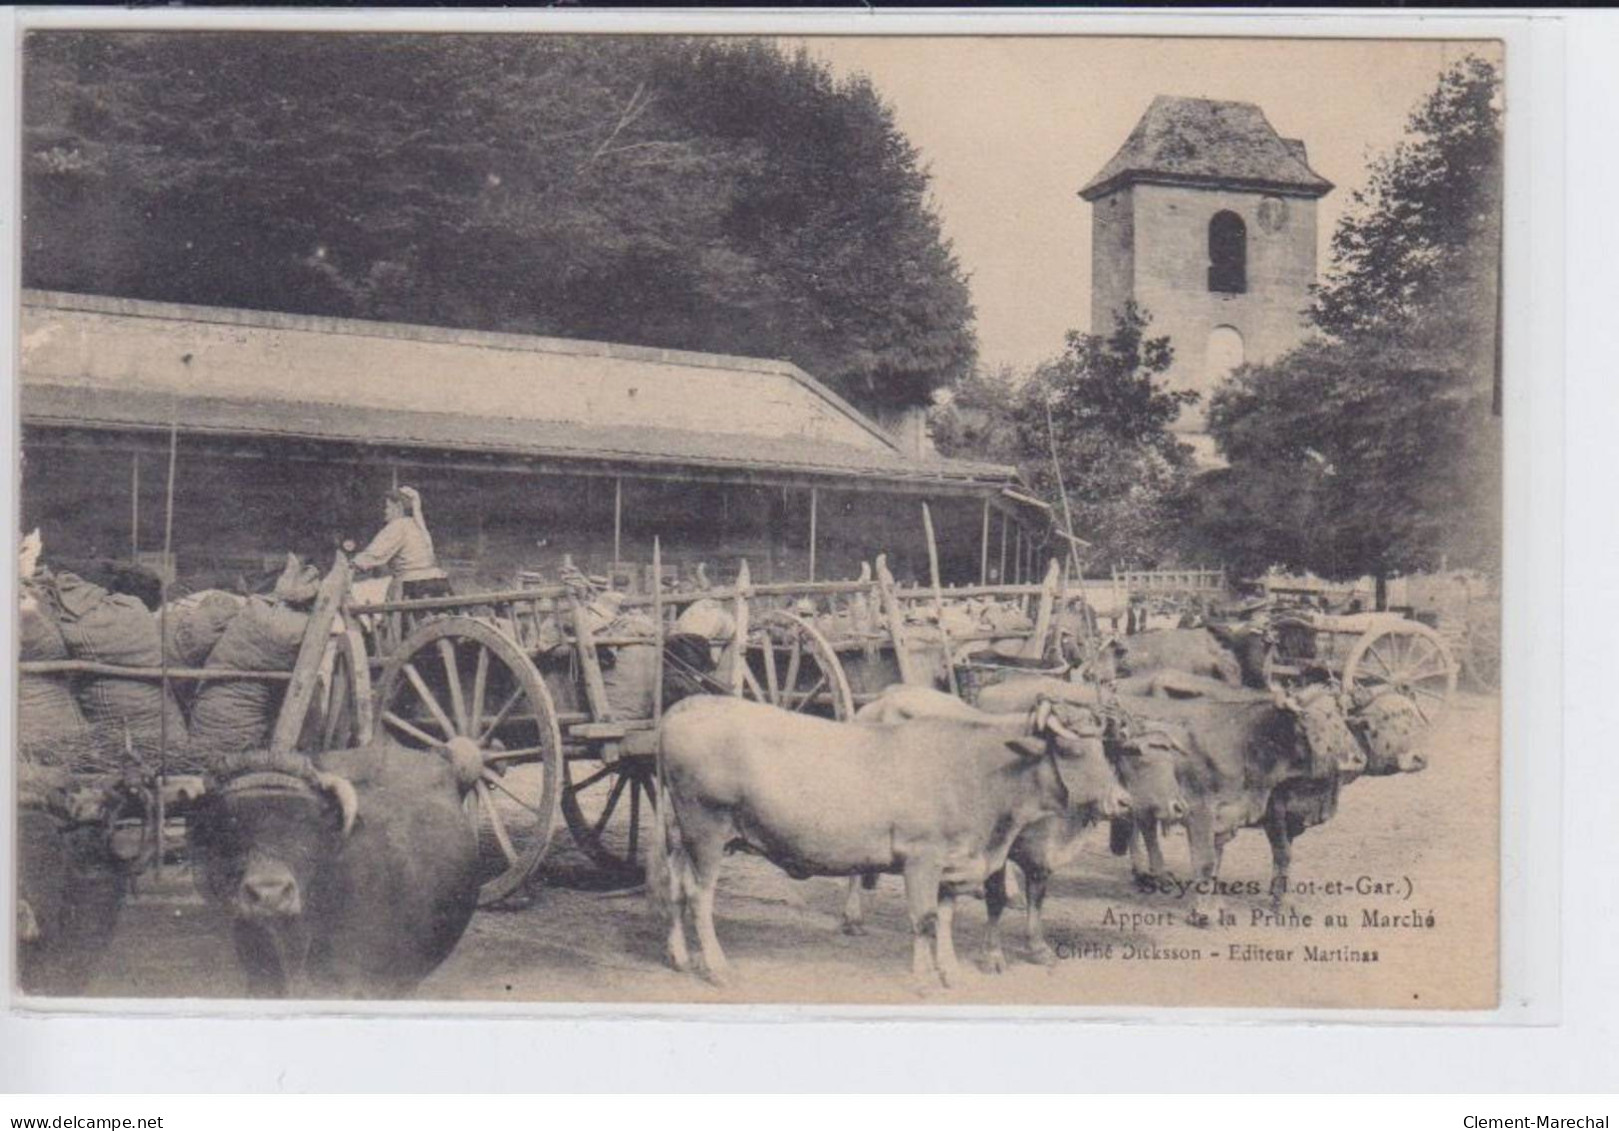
x,y
1206,218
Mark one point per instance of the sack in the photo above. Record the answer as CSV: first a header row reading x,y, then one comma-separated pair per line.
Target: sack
x,y
194,625
631,679
115,628
51,730
233,716
708,618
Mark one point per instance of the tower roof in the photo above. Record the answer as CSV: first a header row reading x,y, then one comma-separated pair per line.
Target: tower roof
x,y
1202,141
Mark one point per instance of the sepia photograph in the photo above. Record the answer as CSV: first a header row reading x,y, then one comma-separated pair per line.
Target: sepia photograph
x,y
885,520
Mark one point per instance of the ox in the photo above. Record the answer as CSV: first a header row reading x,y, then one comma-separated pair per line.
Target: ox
x,y
1145,767
355,879
69,889
1233,753
1194,650
1386,726
937,800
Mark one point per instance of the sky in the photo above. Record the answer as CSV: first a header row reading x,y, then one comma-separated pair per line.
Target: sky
x,y
1011,127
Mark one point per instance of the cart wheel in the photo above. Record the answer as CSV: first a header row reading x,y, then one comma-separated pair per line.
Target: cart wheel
x,y
1408,657
608,807
792,666
346,708
458,679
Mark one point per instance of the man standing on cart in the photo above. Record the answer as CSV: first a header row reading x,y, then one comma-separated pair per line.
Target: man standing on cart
x,y
404,548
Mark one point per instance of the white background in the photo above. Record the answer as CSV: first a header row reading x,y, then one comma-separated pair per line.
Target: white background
x,y
1561,949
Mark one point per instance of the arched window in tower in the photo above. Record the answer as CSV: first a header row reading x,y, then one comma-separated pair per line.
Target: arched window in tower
x,y
1228,254
1224,354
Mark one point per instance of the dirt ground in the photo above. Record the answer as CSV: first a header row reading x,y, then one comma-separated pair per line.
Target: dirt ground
x,y
1408,847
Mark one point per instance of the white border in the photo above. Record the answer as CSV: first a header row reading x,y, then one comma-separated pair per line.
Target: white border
x,y
769,1046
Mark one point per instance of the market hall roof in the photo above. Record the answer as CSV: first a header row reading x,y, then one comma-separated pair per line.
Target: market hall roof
x,y
117,364
1203,142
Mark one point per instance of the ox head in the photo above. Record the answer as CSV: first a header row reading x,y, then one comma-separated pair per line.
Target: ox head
x,y
1387,727
1073,734
1146,765
1324,745
267,840
1146,753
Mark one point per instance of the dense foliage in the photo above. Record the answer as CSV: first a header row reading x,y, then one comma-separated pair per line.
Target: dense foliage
x,y
1103,409
1375,447
718,196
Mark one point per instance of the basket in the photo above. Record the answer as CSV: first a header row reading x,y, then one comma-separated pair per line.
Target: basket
x,y
973,675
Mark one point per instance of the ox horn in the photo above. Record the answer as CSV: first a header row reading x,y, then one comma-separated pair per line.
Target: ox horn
x,y
1046,721
348,801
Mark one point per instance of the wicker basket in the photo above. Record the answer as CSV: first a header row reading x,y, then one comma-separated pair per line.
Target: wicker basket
x,y
973,675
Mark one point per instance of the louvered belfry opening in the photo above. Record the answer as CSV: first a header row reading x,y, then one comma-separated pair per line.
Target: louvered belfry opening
x,y
1228,254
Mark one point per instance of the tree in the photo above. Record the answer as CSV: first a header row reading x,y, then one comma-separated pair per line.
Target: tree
x,y
657,191
1102,406
1417,260
1373,447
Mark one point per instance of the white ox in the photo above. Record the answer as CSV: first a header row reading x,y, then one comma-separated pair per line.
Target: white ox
x,y
938,801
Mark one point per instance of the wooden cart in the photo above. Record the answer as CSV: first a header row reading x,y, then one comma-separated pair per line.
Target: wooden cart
x,y
520,680
327,706
1368,652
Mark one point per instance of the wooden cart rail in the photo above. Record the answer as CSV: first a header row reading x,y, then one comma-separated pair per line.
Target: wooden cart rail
x,y
94,667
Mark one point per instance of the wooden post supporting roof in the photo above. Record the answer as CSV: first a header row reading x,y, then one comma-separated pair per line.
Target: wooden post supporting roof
x,y
1001,576
134,506
618,519
815,505
657,622
983,551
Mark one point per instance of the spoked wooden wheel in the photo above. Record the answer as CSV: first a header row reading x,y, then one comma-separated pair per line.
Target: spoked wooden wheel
x,y
1408,657
458,685
792,666
608,807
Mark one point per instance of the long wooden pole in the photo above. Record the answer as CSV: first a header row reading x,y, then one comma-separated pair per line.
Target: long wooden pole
x,y
134,506
657,620
1056,466
894,615
983,552
1001,576
1035,648
739,638
815,506
618,518
163,635
329,600
938,600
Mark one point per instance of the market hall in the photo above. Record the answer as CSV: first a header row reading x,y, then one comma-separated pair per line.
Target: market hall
x,y
527,451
